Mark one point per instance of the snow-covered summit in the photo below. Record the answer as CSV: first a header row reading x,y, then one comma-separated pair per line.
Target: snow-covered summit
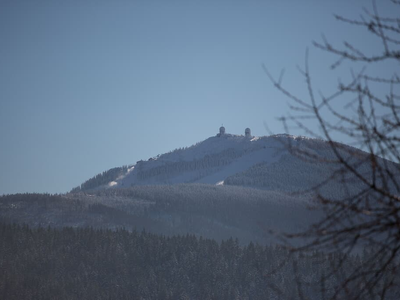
x,y
211,161
282,163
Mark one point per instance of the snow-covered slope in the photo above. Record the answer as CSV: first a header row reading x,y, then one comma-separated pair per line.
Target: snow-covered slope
x,y
281,163
214,160
210,161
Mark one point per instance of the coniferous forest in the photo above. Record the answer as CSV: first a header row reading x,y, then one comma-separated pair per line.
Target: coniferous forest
x,y
87,263
164,242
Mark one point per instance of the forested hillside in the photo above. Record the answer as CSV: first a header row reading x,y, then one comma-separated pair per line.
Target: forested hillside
x,y
101,179
218,212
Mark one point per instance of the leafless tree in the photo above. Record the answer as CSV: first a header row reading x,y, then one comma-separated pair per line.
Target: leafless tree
x,y
366,111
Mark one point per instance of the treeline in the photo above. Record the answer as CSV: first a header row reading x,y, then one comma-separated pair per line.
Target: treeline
x,y
101,179
85,263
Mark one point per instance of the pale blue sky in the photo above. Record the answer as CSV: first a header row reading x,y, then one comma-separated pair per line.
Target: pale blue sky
x,y
90,85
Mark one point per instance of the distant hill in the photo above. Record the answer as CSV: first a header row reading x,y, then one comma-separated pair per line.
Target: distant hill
x,y
217,212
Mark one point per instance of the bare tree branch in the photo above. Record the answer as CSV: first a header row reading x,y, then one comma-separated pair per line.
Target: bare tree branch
x,y
367,214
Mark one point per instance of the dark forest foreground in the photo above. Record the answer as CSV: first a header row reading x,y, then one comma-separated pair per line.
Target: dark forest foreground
x,y
84,263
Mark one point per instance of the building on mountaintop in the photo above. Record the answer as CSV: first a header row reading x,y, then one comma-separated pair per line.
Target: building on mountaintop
x,y
221,131
247,132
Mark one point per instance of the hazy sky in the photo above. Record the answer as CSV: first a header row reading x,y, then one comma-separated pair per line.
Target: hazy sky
x,y
90,85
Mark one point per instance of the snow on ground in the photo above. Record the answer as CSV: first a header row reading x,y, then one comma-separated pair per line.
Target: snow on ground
x,y
242,153
267,155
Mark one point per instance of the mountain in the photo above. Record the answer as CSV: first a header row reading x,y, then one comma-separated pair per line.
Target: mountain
x,y
282,163
230,159
225,186
210,161
201,223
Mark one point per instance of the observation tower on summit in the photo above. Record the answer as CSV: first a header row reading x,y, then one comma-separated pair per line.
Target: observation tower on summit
x,y
221,130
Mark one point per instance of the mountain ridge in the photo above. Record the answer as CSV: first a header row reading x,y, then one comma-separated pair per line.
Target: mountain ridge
x,y
210,161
